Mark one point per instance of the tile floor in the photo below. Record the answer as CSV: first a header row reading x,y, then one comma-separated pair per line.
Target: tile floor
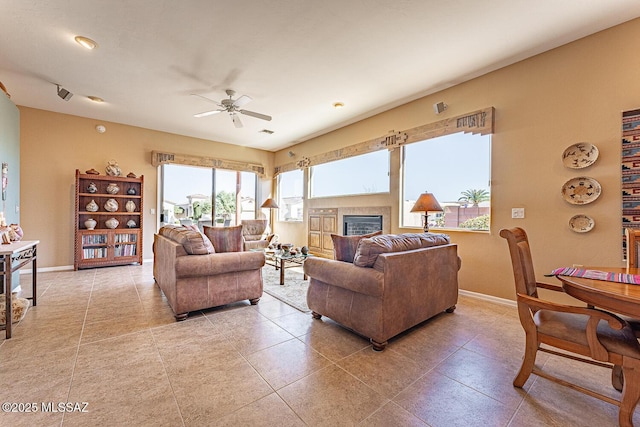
x,y
107,337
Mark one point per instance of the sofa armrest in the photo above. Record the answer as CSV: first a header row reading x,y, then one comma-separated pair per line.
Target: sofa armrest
x,y
345,275
218,263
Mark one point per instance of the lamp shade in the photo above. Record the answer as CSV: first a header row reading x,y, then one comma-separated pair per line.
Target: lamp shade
x,y
426,203
270,203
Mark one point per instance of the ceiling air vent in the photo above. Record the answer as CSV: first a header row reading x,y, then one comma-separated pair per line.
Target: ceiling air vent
x,y
267,131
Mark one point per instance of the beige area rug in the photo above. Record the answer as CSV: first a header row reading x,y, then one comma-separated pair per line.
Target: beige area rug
x,y
294,290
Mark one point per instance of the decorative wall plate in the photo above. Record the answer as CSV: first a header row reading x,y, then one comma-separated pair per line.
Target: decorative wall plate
x,y
581,190
581,223
580,155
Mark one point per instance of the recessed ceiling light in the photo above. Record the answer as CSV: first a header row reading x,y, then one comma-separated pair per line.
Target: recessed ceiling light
x,y
95,99
338,105
86,42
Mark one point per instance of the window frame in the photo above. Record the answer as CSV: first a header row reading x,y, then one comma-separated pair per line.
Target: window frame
x,y
447,205
282,206
347,159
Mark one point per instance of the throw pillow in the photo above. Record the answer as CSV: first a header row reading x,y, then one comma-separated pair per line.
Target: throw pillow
x,y
193,242
205,240
225,239
19,307
369,249
344,247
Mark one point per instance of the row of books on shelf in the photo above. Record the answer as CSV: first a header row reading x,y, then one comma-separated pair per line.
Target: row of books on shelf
x,y
101,239
125,250
94,239
94,253
122,250
125,238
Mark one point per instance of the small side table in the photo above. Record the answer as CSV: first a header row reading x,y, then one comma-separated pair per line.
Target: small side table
x,y
13,257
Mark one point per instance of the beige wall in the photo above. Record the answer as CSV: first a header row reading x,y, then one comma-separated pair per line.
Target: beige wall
x,y
54,145
544,104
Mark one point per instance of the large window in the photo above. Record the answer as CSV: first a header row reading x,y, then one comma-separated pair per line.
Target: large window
x,y
457,170
188,192
365,174
290,195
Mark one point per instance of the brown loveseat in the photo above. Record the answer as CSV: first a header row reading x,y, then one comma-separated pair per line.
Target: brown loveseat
x,y
383,285
195,275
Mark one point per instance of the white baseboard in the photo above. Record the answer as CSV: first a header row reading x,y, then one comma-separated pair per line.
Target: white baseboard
x,y
61,268
46,269
489,298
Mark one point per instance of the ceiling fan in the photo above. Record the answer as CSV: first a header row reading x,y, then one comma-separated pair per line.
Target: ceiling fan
x,y
232,106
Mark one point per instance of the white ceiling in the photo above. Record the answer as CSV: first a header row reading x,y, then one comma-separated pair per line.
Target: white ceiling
x,y
295,58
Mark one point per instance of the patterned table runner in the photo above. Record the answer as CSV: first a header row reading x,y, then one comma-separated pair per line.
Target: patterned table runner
x,y
597,275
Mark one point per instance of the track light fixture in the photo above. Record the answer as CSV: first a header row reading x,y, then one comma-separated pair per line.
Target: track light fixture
x,y
64,94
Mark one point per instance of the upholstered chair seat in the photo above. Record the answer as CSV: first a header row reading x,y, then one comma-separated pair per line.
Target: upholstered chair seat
x,y
253,234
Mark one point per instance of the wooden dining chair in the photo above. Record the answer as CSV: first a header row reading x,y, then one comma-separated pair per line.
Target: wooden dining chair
x,y
593,336
633,238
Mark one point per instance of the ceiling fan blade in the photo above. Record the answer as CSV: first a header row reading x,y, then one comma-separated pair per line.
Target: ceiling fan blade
x,y
243,100
236,120
256,115
207,113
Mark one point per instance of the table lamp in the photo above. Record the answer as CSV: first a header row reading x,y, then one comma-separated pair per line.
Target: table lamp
x,y
426,203
270,204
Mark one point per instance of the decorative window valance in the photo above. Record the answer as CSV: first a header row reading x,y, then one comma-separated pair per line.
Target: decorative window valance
x,y
477,122
161,158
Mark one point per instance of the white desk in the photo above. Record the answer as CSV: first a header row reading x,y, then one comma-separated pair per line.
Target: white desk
x,y
13,257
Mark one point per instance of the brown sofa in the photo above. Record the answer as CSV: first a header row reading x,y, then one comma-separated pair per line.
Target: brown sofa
x,y
393,283
194,276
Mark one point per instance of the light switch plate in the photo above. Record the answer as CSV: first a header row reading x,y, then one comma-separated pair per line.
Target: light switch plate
x,y
517,213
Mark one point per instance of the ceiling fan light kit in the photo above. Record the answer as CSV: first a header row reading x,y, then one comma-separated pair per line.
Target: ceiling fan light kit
x,y
232,106
86,42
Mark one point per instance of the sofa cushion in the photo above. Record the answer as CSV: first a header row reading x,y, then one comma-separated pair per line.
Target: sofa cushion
x,y
344,247
193,242
369,248
225,239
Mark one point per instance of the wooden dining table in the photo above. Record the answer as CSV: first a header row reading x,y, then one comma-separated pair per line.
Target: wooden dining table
x,y
620,298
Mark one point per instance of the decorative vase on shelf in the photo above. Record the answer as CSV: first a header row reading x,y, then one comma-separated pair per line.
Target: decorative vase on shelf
x,y
92,188
130,206
113,188
112,223
92,206
113,169
131,223
90,224
111,205
131,191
